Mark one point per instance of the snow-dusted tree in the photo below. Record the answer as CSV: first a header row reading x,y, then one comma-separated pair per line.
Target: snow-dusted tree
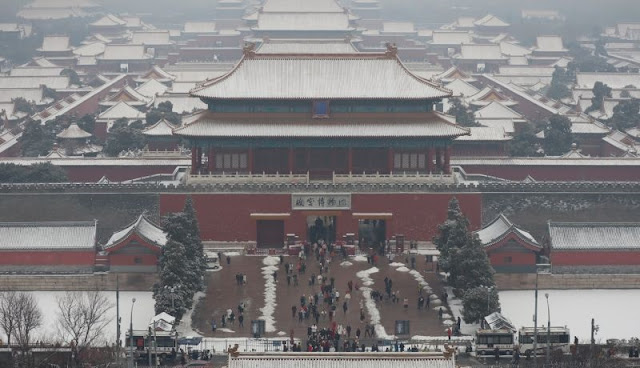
x,y
9,314
478,303
173,292
195,245
452,235
469,266
29,319
82,318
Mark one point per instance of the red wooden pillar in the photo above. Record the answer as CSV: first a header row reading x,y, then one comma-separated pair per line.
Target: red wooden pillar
x,y
211,160
199,158
250,160
194,160
350,160
390,155
430,156
438,159
290,163
447,160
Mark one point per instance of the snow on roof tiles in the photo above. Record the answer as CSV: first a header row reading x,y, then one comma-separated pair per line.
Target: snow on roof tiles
x,y
398,27
485,134
613,80
200,27
499,228
303,22
30,82
73,132
507,125
142,227
594,236
160,129
55,44
35,71
108,20
451,38
373,76
91,49
124,52
461,88
534,70
512,49
182,103
480,52
431,125
549,43
490,20
496,110
47,235
152,88
302,6
151,38
121,110
307,47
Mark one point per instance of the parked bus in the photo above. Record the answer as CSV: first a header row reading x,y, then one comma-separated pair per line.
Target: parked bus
x,y
560,339
488,340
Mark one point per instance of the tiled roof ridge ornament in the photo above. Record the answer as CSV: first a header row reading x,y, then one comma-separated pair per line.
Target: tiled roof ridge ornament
x,y
392,50
249,49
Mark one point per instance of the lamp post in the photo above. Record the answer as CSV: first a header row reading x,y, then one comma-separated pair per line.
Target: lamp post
x,y
133,302
548,357
539,267
172,293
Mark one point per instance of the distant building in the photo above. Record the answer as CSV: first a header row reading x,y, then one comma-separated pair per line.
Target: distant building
x,y
586,247
510,248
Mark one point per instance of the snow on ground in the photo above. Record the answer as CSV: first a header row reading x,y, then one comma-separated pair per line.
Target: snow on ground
x,y
420,279
455,305
143,311
402,269
231,254
396,264
346,264
185,328
370,304
360,258
614,311
269,293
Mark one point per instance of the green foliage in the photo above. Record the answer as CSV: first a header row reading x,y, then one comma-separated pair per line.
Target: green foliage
x,y
123,137
49,93
36,173
478,303
73,76
600,92
21,51
626,115
182,263
557,136
36,140
586,62
525,142
559,81
87,123
452,234
163,110
464,116
23,105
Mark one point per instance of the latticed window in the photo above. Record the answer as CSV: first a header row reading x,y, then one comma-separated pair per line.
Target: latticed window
x,y
409,161
231,161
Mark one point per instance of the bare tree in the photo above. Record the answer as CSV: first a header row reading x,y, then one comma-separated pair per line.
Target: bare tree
x,y
29,318
8,314
82,318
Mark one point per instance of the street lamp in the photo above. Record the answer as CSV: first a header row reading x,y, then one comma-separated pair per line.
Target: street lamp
x,y
489,289
539,267
133,302
172,293
546,295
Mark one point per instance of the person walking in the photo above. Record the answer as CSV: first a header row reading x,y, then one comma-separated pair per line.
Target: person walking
x,y
358,333
449,333
241,320
345,307
440,312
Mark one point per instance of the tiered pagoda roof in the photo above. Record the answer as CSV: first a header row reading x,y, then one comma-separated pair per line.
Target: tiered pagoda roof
x,y
313,76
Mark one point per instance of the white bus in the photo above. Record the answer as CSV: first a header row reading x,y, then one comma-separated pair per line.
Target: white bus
x,y
488,340
559,337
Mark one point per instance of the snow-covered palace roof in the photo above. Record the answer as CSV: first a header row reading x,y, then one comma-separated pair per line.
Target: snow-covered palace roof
x,y
143,228
594,236
313,76
31,236
341,360
500,228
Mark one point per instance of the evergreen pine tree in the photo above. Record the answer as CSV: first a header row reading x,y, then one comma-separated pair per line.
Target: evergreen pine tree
x,y
174,273
478,303
470,267
199,259
452,235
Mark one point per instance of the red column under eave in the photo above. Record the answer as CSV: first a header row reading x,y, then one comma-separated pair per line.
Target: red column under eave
x,y
430,156
211,160
438,159
447,160
194,159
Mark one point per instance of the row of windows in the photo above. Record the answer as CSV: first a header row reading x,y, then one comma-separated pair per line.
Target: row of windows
x,y
227,161
409,161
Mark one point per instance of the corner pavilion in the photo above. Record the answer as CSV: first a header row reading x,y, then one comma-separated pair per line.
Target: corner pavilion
x,y
320,115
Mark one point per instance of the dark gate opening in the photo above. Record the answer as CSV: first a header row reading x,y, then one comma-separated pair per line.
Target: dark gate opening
x,y
270,233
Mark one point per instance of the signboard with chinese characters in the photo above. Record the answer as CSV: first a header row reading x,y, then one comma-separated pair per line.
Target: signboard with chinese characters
x,y
331,201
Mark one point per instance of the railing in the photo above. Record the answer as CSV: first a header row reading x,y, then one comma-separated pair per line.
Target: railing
x,y
232,178
392,178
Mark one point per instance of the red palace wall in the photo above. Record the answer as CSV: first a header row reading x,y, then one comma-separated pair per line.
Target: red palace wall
x,y
557,173
517,258
226,216
129,260
76,258
595,258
